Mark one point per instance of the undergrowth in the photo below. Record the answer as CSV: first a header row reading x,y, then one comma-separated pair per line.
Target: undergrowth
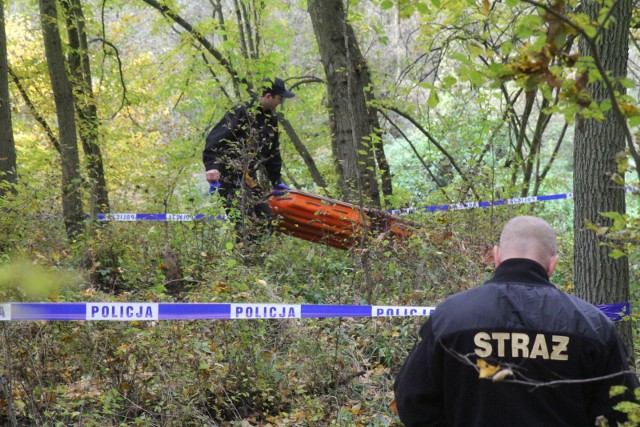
x,y
304,372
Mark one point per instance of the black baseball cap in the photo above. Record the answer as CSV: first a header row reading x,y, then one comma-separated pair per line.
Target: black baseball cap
x,y
277,87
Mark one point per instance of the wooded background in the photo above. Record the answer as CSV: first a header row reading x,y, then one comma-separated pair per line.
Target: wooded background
x,y
105,107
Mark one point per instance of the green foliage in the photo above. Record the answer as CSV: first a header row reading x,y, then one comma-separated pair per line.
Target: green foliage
x,y
21,280
313,372
154,117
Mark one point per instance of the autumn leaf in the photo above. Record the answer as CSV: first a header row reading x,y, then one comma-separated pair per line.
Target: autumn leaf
x,y
486,7
394,407
486,369
629,110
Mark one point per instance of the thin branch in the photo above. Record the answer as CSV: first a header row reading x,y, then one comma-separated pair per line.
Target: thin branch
x,y
437,145
554,154
120,72
36,115
465,359
415,151
200,38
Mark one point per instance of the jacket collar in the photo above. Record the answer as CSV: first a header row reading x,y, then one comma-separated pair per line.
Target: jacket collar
x,y
521,270
254,105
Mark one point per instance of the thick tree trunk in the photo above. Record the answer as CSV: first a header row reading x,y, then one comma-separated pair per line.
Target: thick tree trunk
x,y
346,77
63,97
8,168
599,278
80,69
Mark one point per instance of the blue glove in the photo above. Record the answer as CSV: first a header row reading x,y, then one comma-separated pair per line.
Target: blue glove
x,y
213,187
280,189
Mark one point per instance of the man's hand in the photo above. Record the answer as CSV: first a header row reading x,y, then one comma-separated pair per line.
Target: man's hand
x,y
212,175
280,189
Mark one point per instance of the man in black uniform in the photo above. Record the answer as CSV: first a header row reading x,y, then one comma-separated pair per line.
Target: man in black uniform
x,y
246,138
524,330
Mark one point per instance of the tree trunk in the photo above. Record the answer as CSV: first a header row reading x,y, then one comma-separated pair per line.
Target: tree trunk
x,y
8,168
63,97
376,134
599,278
85,103
346,76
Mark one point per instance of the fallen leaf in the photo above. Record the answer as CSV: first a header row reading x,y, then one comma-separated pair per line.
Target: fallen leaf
x,y
486,369
393,407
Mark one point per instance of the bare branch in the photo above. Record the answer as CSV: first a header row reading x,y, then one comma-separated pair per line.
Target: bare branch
x,y
466,360
36,114
437,145
200,38
415,151
120,72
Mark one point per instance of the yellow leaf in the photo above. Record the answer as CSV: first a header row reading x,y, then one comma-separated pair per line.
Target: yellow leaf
x,y
629,110
356,409
486,370
486,7
298,416
601,231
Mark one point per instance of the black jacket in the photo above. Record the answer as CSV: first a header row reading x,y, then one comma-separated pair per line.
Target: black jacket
x,y
246,138
518,320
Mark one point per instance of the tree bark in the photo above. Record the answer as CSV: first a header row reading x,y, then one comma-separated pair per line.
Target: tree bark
x,y
346,76
80,69
599,278
8,167
63,97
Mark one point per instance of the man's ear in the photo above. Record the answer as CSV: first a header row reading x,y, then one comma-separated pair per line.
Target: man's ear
x,y
496,256
552,264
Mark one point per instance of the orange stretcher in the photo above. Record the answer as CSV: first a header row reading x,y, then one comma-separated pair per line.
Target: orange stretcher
x,y
332,222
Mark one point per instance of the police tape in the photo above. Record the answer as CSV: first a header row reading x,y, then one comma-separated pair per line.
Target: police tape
x,y
487,204
404,211
501,202
158,217
144,311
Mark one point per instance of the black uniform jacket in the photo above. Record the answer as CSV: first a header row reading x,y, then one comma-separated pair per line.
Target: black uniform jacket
x,y
245,138
521,321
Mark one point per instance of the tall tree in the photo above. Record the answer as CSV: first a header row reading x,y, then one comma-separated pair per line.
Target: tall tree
x,y
84,100
63,97
347,77
249,24
599,278
8,168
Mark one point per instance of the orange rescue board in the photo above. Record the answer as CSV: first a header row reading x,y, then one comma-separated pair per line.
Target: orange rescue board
x,y
332,222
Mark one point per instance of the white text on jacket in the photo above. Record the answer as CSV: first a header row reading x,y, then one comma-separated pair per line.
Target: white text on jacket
x,y
518,344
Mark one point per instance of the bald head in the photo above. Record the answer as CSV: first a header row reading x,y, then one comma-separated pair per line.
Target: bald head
x,y
528,237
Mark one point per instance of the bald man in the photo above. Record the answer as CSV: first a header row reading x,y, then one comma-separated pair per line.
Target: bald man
x,y
523,332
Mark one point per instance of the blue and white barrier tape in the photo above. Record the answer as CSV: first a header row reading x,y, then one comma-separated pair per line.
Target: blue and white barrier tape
x,y
140,311
474,205
157,217
616,311
195,311
405,211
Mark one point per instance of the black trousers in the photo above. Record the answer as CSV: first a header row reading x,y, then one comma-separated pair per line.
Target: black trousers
x,y
248,208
